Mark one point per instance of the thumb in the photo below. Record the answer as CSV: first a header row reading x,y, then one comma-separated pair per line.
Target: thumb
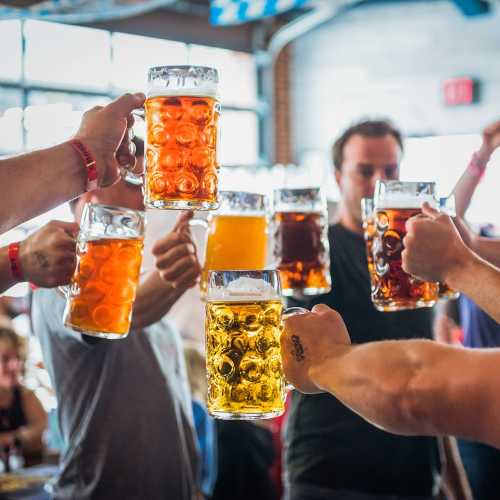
x,y
430,211
125,104
182,222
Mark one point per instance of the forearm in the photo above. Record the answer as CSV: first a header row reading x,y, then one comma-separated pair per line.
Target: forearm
x,y
480,280
488,249
34,183
154,299
409,387
6,278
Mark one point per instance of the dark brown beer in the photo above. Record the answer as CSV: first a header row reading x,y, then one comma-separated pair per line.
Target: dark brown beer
x,y
395,289
300,252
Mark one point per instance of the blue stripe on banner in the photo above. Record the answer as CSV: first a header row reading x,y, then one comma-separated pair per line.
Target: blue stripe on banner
x,y
242,10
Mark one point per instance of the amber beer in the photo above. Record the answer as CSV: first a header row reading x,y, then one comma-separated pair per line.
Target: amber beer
x,y
103,288
395,203
182,119
301,248
243,328
237,234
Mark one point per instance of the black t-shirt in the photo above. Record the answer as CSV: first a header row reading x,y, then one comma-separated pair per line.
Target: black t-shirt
x,y
328,445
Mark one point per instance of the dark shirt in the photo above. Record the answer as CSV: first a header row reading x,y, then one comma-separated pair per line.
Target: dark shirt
x,y
480,329
13,417
328,445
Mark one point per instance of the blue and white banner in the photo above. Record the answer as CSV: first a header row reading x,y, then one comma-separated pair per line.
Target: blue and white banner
x,y
230,12
83,11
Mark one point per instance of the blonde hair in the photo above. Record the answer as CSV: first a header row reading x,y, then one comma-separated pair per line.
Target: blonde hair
x,y
7,333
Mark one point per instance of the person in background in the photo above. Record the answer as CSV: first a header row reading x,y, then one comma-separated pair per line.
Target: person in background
x,y
22,417
330,451
124,406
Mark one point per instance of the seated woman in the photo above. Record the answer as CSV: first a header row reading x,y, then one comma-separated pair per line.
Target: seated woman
x,y
22,417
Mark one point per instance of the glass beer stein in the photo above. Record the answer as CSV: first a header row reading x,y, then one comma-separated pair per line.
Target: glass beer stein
x,y
182,128
237,234
243,325
395,202
301,248
369,229
447,206
102,291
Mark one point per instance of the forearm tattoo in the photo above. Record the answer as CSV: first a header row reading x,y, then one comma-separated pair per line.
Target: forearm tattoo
x,y
42,260
298,350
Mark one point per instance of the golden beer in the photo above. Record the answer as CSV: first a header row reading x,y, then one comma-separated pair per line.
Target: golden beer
x,y
244,370
235,242
103,287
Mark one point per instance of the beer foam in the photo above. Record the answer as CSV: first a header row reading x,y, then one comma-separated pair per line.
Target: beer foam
x,y
244,289
406,202
201,91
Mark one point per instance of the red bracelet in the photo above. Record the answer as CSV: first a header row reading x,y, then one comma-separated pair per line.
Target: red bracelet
x,y
15,262
475,167
89,162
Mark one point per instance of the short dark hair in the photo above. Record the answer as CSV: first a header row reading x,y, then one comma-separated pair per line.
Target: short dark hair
x,y
366,128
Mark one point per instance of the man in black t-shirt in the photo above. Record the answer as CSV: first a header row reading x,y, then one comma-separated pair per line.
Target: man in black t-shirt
x,y
330,452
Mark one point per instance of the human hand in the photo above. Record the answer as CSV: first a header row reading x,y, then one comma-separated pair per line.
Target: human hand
x,y
432,246
176,259
48,256
308,341
491,141
105,131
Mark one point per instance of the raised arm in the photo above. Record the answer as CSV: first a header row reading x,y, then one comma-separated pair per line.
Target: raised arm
x,y
33,183
434,251
468,182
177,270
413,387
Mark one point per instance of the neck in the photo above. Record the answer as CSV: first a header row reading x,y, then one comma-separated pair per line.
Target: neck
x,y
348,221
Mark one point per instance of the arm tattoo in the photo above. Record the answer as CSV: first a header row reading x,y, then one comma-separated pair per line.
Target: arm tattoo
x,y
42,260
298,350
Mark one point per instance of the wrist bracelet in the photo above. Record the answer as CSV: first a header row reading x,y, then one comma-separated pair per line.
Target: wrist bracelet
x,y
15,262
475,167
89,162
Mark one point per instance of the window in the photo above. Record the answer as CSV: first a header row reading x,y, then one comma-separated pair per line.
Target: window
x,y
67,56
443,159
11,60
11,120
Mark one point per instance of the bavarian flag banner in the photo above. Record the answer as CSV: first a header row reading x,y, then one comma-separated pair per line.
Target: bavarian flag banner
x,y
230,12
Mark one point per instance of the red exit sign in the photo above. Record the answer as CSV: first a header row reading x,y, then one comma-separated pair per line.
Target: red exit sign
x,y
460,91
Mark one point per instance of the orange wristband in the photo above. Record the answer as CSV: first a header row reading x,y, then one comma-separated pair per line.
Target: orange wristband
x,y
15,262
88,161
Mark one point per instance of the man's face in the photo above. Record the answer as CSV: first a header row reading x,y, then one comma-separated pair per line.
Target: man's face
x,y
121,194
366,160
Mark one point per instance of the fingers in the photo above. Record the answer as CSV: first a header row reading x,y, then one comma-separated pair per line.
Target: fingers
x,y
177,252
163,245
184,265
125,104
430,211
183,220
70,228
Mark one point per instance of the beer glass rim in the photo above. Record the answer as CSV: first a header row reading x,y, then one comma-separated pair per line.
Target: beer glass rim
x,y
140,213
207,69
258,203
385,197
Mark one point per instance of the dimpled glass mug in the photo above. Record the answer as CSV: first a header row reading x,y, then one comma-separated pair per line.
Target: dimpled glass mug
x,y
182,111
243,325
102,291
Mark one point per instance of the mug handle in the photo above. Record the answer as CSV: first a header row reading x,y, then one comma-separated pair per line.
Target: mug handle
x,y
292,311
126,172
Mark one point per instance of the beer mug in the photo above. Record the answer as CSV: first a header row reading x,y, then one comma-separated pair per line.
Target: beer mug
x,y
301,248
182,128
243,325
237,234
395,202
368,218
101,293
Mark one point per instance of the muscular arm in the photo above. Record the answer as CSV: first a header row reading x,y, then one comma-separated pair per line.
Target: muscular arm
x,y
488,249
417,387
46,178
